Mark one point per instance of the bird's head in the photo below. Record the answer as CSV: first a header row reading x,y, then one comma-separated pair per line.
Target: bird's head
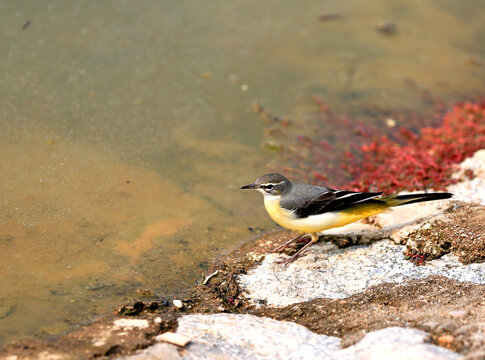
x,y
270,184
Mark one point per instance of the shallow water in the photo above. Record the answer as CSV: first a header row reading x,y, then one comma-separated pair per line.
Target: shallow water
x,y
126,129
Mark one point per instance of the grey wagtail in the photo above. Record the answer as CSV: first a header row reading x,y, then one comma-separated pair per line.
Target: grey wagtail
x,y
310,209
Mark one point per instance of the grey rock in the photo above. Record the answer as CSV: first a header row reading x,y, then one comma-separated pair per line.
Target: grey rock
x,y
231,336
471,190
338,273
397,344
158,351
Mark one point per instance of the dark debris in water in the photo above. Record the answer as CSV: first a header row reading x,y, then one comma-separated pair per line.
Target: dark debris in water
x,y
387,28
140,307
330,17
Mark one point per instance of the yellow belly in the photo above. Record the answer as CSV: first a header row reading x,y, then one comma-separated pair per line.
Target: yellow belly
x,y
280,215
320,222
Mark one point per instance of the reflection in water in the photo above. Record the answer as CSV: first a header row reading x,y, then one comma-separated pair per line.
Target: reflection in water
x,y
126,129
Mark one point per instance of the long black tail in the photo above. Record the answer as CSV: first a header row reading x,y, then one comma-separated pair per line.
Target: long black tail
x,y
399,200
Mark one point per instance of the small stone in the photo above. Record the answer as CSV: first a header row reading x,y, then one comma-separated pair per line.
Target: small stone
x,y
390,122
329,17
173,338
178,304
445,340
386,28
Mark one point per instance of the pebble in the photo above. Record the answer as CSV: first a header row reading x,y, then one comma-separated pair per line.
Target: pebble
x,y
178,304
173,338
445,340
386,28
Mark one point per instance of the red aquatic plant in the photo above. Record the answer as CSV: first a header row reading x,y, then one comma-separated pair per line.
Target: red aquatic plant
x,y
378,155
425,160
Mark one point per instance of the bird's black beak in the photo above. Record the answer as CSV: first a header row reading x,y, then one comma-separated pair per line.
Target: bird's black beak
x,y
250,186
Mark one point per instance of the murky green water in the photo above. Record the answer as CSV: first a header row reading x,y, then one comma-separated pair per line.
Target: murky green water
x,y
126,129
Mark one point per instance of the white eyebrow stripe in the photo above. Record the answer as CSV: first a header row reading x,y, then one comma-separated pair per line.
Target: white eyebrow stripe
x,y
266,184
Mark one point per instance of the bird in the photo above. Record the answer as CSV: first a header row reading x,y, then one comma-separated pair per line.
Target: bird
x,y
310,209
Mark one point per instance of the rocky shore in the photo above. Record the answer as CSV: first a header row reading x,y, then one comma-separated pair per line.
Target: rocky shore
x,y
404,285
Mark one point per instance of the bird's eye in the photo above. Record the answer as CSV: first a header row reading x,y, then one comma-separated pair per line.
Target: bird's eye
x,y
269,187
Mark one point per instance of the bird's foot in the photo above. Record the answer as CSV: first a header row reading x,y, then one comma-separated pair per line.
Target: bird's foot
x,y
283,246
290,259
300,252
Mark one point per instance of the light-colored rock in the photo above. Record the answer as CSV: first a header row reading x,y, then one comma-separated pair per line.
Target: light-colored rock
x,y
471,190
397,344
178,304
173,338
156,352
405,215
356,228
45,355
339,273
231,336
401,235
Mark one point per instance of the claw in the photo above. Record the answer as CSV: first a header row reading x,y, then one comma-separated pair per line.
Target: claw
x,y
283,246
300,252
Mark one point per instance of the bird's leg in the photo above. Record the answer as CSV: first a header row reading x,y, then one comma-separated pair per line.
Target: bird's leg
x,y
283,246
301,251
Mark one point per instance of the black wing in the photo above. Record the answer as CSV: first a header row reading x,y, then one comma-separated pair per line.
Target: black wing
x,y
306,200
345,199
